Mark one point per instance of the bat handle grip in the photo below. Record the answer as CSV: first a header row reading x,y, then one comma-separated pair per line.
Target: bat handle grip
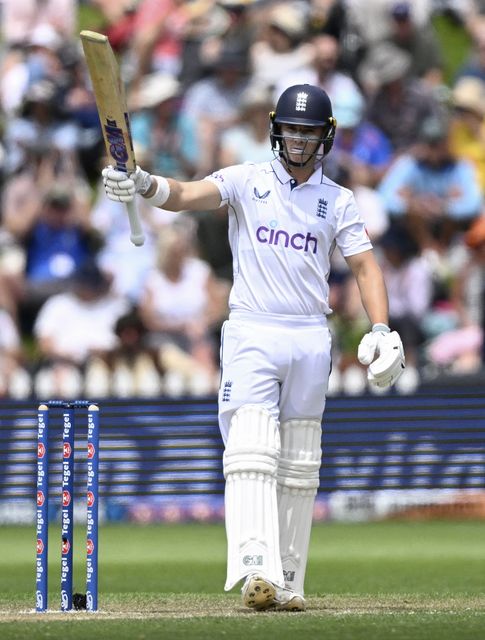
x,y
136,236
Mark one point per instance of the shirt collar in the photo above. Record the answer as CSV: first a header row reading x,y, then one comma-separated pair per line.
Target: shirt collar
x,y
284,177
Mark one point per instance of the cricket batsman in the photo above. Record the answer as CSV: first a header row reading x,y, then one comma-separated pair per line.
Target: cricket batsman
x,y
285,219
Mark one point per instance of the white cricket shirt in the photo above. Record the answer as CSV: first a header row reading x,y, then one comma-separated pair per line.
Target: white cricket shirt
x,y
282,236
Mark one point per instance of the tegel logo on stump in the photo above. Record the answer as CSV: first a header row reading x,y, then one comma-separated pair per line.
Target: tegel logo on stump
x,y
280,237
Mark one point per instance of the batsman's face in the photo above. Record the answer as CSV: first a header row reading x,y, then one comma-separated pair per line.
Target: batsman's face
x,y
301,142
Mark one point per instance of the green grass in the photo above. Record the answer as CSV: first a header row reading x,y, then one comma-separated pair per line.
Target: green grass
x,y
90,17
455,45
379,581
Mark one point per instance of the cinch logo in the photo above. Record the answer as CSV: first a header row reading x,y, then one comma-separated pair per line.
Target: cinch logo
x,y
297,241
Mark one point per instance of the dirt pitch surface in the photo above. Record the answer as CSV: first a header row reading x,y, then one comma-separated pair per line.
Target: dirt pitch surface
x,y
186,606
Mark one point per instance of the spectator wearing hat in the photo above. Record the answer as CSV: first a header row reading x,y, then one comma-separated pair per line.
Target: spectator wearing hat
x,y
420,42
430,191
280,48
397,102
467,138
155,126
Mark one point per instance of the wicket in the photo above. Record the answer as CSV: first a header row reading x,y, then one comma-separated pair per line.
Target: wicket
x,y
67,513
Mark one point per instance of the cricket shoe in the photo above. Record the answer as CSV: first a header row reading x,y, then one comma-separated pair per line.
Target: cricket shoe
x,y
288,600
261,594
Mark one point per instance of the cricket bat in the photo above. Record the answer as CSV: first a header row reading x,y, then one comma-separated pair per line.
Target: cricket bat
x,y
110,98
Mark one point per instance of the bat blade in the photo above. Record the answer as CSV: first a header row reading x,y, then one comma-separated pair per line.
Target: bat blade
x,y
109,93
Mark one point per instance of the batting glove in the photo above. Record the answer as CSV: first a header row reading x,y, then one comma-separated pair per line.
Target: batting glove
x,y
384,370
121,187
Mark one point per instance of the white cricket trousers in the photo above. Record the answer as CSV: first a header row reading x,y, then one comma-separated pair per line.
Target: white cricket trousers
x,y
280,362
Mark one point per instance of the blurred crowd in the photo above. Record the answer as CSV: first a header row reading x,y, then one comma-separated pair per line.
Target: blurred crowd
x,y
83,312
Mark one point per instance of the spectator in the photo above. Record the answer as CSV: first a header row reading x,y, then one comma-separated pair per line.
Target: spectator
x,y
360,147
229,21
321,71
20,19
213,243
461,349
420,42
281,44
57,238
409,282
180,306
211,105
158,31
14,378
38,58
41,123
433,193
372,18
247,141
80,109
118,21
74,326
156,127
467,139
134,358
335,19
398,103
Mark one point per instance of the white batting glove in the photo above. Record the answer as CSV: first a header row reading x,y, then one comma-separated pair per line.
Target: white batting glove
x,y
385,369
121,187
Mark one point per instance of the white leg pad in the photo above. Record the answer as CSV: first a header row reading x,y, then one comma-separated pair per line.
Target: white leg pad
x,y
298,481
251,510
